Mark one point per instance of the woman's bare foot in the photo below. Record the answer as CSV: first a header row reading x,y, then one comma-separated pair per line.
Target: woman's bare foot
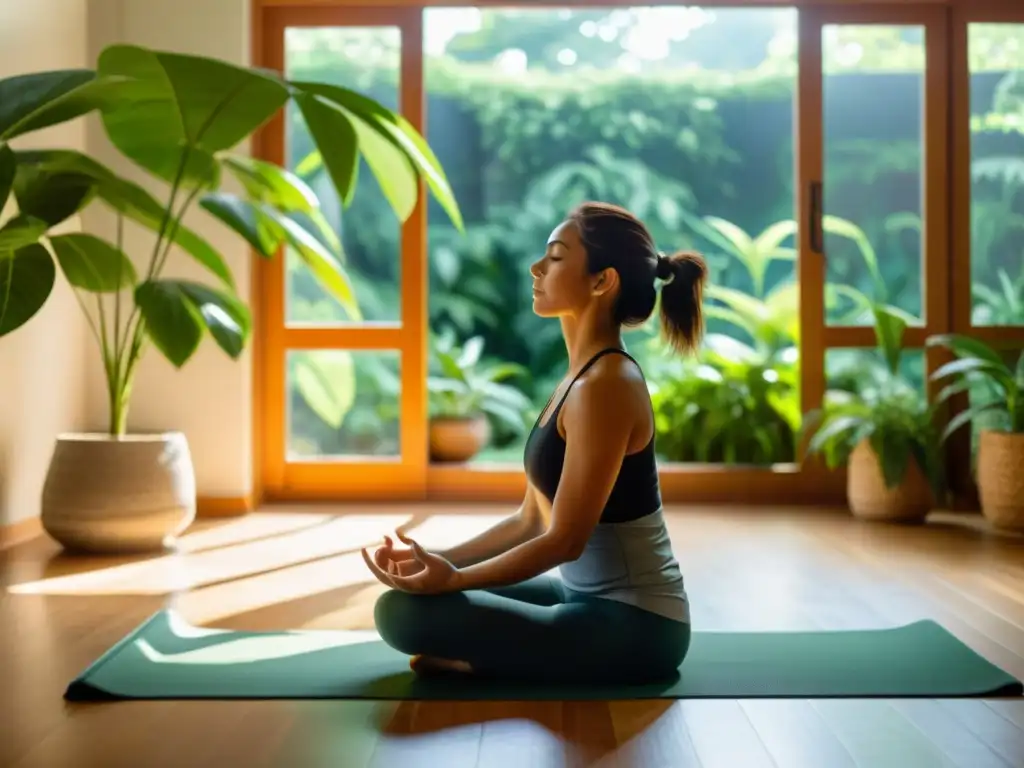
x,y
425,665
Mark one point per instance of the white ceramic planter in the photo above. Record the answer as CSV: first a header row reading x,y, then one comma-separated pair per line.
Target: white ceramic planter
x,y
106,494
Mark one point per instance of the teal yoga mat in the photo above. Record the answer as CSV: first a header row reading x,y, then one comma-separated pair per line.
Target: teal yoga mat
x,y
166,658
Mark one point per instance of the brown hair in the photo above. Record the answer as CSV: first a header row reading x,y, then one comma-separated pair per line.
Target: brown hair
x,y
616,239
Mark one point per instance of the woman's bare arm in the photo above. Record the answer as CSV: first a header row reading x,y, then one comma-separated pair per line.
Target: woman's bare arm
x,y
597,430
519,527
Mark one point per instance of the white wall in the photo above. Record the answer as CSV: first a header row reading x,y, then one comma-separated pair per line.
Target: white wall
x,y
42,388
51,376
210,398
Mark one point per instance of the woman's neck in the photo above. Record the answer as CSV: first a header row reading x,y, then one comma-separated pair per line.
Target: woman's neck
x,y
586,335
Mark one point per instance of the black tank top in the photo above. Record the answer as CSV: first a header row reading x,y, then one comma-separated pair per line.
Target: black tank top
x,y
636,492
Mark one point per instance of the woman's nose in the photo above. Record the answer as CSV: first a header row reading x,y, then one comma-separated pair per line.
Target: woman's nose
x,y
535,269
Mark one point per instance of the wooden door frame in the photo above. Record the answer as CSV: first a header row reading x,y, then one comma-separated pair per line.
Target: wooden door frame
x,y
369,478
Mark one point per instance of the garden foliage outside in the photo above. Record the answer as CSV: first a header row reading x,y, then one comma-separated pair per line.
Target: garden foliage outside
x,y
533,111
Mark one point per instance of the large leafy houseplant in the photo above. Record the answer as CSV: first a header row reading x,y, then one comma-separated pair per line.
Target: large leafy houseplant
x,y
996,388
177,118
886,433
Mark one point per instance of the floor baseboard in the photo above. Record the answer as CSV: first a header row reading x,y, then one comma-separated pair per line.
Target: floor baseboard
x,y
21,531
223,506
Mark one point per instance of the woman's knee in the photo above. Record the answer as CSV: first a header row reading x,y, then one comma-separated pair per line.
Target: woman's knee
x,y
404,620
394,615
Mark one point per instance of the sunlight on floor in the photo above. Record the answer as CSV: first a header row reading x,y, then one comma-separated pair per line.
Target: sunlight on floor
x,y
186,570
242,567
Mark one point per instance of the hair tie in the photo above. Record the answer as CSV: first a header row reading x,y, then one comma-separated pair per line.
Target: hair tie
x,y
664,269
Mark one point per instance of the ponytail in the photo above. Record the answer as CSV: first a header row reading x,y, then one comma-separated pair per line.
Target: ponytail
x,y
682,296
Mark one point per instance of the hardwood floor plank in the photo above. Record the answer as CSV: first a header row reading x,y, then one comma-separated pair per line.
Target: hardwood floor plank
x,y
521,733
992,729
723,736
653,733
877,736
795,735
949,734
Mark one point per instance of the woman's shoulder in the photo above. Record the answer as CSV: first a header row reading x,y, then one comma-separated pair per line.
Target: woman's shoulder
x,y
611,379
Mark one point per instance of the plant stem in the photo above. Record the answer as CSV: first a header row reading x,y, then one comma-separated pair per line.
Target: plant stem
x,y
121,374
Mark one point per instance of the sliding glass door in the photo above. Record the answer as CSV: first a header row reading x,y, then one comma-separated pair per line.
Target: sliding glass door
x,y
804,150
873,157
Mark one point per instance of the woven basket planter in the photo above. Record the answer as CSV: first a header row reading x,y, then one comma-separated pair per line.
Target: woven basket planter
x,y
868,497
1001,478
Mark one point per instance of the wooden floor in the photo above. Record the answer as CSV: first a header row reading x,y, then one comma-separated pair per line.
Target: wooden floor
x,y
745,569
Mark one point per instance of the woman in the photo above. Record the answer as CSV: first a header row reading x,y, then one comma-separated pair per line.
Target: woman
x,y
592,509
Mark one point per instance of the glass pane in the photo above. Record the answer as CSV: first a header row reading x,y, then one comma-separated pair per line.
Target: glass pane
x,y
682,114
996,55
873,101
366,59
343,403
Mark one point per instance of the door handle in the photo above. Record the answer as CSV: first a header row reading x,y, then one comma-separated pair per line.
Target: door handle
x,y
815,217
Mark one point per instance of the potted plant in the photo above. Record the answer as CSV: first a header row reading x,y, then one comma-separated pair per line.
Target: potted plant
x,y
463,392
999,466
176,117
885,434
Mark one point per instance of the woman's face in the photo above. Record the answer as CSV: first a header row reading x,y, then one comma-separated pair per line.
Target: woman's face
x,y
561,283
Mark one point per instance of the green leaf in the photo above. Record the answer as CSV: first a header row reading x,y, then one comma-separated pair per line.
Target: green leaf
x,y
950,390
8,167
20,231
177,311
185,104
889,329
335,137
171,319
966,347
968,415
832,429
893,452
93,264
27,276
41,99
269,183
129,199
320,262
247,219
327,382
52,197
266,182
999,373
399,132
226,318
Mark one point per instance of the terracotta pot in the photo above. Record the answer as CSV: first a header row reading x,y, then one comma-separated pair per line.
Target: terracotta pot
x,y
1001,478
870,499
106,494
455,439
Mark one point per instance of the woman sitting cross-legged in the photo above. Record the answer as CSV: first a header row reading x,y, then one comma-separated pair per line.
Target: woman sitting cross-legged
x,y
619,611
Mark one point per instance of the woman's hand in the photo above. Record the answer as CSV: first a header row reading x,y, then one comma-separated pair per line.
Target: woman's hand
x,y
428,574
401,562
